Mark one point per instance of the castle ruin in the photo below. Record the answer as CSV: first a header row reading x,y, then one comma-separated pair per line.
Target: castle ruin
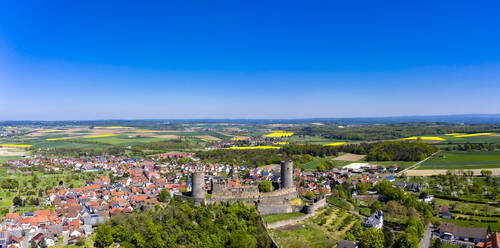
x,y
276,201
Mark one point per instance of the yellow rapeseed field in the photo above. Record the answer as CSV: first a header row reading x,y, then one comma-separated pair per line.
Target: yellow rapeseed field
x,y
237,139
454,134
253,147
423,138
336,144
340,126
317,123
100,136
113,127
14,145
63,138
279,134
472,135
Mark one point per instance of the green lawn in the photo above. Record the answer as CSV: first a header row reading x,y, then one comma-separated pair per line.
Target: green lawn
x,y
463,160
269,218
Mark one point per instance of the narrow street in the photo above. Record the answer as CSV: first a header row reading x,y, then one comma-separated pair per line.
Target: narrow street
x,y
427,240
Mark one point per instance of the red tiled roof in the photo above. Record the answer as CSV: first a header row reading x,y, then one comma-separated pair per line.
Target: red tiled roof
x,y
12,216
493,241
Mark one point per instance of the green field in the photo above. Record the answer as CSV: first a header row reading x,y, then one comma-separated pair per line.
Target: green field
x,y
299,139
120,140
463,160
472,139
311,165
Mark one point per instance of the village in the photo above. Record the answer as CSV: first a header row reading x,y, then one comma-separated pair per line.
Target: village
x,y
68,215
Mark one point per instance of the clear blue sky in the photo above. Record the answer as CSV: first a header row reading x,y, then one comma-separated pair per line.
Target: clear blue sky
x,y
247,59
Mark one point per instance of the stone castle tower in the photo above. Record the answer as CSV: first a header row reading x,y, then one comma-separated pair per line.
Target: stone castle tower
x,y
287,174
198,188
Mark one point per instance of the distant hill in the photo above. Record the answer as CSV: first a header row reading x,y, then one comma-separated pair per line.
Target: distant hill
x,y
455,119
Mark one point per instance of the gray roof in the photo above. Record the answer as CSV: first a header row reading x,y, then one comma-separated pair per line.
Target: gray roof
x,y
346,244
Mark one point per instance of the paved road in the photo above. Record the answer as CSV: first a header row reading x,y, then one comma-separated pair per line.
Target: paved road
x,y
11,209
426,241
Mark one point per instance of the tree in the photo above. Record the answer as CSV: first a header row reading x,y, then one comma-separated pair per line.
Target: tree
x,y
437,244
265,186
388,237
104,236
17,201
320,167
350,236
163,195
357,230
375,206
34,180
406,240
120,233
419,229
372,238
42,243
33,244
361,188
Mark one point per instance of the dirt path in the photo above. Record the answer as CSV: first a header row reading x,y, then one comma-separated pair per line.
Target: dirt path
x,y
415,165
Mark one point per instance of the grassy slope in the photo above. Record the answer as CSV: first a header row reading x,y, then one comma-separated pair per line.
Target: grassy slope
x,y
309,233
282,216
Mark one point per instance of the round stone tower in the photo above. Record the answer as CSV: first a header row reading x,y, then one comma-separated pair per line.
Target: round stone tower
x,y
198,190
287,174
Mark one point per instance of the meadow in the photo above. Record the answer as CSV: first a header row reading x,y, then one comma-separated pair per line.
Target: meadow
x,y
462,160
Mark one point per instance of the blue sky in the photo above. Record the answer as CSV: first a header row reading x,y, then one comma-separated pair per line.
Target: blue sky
x,y
64,60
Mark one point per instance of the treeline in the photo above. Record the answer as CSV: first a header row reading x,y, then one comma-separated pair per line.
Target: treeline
x,y
181,224
390,131
473,147
384,151
400,151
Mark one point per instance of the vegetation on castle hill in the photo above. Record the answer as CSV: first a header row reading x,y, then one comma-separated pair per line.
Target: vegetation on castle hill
x,y
181,224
